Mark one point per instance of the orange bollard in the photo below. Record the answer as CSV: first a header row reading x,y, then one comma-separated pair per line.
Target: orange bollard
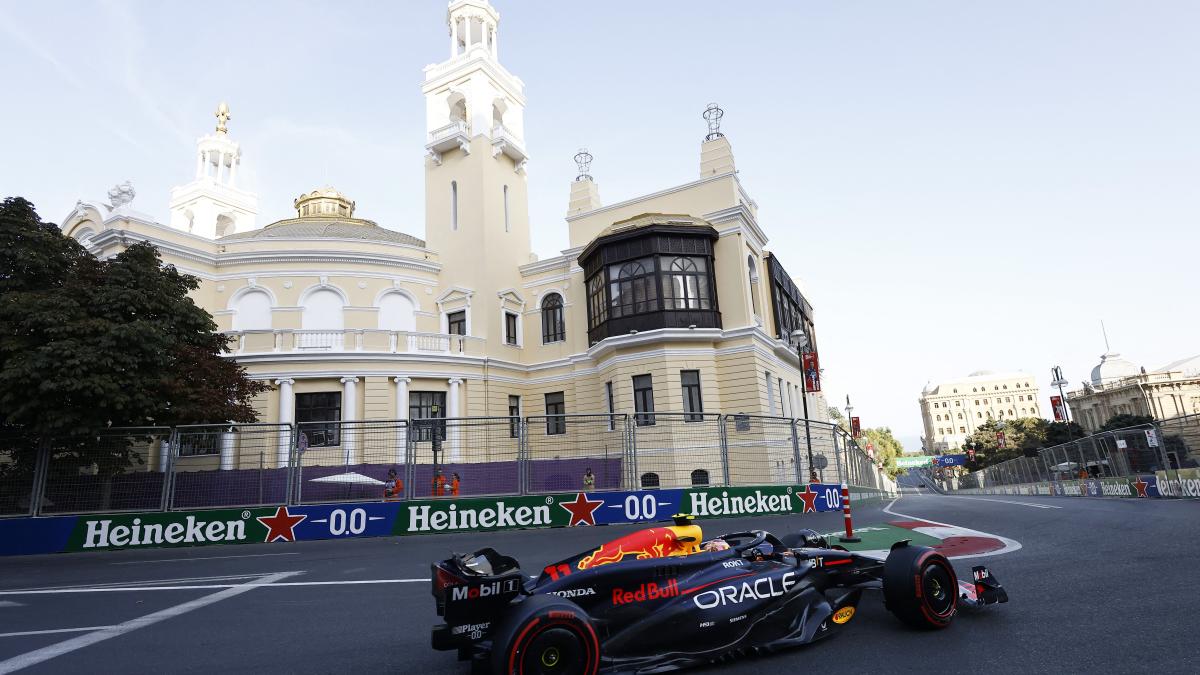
x,y
849,538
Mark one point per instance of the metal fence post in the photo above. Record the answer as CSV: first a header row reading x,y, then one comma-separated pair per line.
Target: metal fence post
x,y
633,454
168,491
523,456
724,439
41,469
410,458
796,453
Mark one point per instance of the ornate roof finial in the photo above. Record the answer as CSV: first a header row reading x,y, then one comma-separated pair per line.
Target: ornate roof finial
x,y
713,115
583,159
223,116
121,194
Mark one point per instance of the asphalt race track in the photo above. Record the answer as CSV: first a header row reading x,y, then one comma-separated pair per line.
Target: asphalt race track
x,y
1098,585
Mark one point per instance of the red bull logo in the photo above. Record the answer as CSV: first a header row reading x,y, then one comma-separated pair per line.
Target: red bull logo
x,y
656,542
647,591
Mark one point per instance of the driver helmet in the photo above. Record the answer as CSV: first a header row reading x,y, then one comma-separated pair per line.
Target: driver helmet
x,y
716,545
812,539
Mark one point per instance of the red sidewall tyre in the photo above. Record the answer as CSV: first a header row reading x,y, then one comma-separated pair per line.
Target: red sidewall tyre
x,y
545,635
920,587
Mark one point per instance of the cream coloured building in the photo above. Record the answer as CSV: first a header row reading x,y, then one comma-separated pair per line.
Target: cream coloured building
x,y
1119,387
670,299
951,410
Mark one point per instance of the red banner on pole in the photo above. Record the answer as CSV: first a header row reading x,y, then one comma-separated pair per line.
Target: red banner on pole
x,y
1000,440
1060,412
855,429
812,372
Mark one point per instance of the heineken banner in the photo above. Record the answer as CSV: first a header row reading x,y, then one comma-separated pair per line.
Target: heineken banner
x,y
911,461
374,519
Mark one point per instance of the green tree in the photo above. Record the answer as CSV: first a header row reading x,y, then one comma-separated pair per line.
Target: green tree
x,y
1124,420
1058,433
87,345
839,419
1020,435
887,448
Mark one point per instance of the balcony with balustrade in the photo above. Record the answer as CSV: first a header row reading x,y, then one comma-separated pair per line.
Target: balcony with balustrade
x,y
351,340
456,134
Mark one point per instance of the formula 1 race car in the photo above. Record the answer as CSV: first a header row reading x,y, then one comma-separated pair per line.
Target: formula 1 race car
x,y
659,599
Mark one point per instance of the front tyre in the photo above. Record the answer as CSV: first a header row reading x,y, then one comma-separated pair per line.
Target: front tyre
x,y
545,635
920,587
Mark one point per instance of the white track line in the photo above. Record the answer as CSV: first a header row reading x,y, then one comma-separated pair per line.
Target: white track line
x,y
1010,545
265,583
211,557
67,646
54,630
146,582
1006,501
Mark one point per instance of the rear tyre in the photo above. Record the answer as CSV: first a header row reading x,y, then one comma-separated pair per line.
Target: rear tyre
x,y
920,587
545,635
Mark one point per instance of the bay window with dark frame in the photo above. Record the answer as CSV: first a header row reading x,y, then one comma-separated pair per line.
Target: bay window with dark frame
x,y
514,416
791,310
317,407
657,276
456,322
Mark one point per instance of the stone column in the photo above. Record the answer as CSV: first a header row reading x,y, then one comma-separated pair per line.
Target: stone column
x,y
199,163
454,38
401,414
233,167
453,410
287,415
349,414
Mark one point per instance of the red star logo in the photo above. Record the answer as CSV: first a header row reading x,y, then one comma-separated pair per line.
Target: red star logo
x,y
281,525
809,498
1141,486
582,510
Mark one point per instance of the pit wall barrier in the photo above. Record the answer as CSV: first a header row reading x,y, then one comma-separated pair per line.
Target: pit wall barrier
x,y
59,534
1154,485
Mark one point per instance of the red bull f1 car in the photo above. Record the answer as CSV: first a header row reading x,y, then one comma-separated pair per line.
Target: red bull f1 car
x,y
661,599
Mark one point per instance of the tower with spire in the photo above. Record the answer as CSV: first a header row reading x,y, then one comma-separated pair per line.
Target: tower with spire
x,y
476,198
212,204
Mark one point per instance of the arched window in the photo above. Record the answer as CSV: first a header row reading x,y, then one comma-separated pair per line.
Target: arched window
x,y
699,477
753,285
633,289
322,315
553,328
397,312
453,205
686,283
252,311
650,480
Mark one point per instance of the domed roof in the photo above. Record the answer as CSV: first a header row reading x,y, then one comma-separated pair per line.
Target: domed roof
x,y
326,214
982,373
327,228
1112,368
930,387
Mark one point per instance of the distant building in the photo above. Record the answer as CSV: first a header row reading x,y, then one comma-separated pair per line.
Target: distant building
x,y
1118,387
951,410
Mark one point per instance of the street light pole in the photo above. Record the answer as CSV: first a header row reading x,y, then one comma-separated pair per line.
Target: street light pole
x,y
800,338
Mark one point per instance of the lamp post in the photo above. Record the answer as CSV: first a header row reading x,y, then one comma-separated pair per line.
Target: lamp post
x,y
800,339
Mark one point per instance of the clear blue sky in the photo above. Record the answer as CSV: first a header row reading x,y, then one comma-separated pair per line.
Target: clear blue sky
x,y
959,185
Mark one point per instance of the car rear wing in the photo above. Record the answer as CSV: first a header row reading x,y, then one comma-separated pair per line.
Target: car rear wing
x,y
470,590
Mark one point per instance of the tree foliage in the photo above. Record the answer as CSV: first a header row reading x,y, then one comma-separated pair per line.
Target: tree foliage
x,y
1020,435
887,448
89,344
1125,420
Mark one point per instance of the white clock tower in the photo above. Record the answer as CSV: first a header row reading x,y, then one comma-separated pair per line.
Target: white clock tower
x,y
212,205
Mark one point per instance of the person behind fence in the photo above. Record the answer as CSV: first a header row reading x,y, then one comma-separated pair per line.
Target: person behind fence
x,y
439,483
393,487
454,479
589,479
